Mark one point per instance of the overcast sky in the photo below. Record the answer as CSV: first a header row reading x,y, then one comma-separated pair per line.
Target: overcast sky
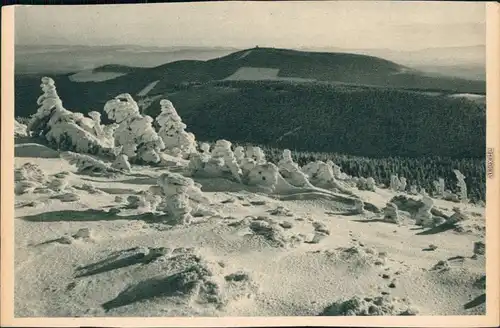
x,y
342,24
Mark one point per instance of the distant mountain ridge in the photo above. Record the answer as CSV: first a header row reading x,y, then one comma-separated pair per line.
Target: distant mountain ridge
x,y
319,66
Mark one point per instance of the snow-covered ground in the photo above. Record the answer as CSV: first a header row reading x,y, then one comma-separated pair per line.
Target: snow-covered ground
x,y
92,76
129,264
261,73
144,92
246,53
470,96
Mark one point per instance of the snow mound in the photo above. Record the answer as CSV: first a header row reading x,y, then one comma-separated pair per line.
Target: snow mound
x,y
360,255
273,233
30,178
34,150
30,172
87,164
189,279
368,306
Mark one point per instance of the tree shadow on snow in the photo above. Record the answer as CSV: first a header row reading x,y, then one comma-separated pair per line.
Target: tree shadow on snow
x,y
476,302
60,240
346,213
223,185
170,286
119,259
458,258
91,215
140,179
438,229
374,220
118,191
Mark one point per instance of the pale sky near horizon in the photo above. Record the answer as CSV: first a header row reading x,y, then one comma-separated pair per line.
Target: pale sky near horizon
x,y
343,24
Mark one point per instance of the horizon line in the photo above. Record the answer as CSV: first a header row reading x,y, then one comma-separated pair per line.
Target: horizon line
x,y
238,47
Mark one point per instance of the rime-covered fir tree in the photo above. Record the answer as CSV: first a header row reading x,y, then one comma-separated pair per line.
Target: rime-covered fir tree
x,y
172,131
62,128
135,134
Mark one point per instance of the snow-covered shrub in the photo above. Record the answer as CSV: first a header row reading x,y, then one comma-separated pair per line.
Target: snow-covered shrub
x,y
391,213
24,187
324,173
239,154
291,171
145,201
62,128
423,216
172,131
402,184
135,133
457,216
361,183
205,148
49,101
359,206
247,165
28,177
272,232
222,149
321,174
398,184
220,162
337,172
121,163
365,184
395,183
448,195
462,186
256,153
180,196
88,164
406,203
20,130
439,187
310,169
413,190
103,132
196,164
370,184
264,175
58,184
30,172
214,167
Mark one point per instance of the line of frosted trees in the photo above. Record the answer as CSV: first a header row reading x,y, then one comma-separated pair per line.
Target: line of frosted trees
x,y
132,137
131,133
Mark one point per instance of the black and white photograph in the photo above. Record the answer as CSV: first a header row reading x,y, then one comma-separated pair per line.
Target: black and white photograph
x,y
250,159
